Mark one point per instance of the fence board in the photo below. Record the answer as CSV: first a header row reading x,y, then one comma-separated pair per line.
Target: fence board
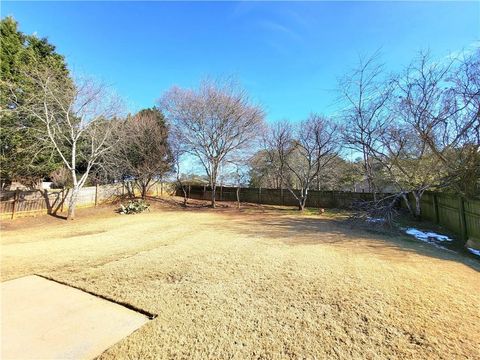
x,y
472,217
448,212
427,206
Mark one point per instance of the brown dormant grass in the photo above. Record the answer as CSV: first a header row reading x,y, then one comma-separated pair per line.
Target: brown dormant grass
x,y
263,283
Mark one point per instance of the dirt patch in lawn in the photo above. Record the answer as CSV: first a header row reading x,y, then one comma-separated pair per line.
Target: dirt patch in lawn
x,y
263,283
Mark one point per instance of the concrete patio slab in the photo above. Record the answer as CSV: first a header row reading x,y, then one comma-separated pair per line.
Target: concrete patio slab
x,y
42,319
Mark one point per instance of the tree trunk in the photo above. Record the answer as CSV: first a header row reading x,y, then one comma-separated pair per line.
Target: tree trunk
x,y
72,203
185,197
214,190
130,190
301,203
303,199
238,197
369,174
47,201
407,203
418,210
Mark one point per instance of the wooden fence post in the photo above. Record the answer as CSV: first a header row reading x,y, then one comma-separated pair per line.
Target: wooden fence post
x,y
63,200
47,200
96,194
463,220
221,192
204,191
259,195
15,200
435,208
161,189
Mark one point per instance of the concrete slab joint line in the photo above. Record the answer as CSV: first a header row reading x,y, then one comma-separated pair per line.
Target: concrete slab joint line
x,y
44,319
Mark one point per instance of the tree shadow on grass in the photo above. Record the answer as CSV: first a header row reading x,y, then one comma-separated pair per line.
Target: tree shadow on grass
x,y
58,216
332,228
381,242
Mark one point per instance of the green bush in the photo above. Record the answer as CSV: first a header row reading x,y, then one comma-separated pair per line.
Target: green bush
x,y
133,207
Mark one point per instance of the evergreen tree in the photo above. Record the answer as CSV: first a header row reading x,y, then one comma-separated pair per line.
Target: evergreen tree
x,y
22,156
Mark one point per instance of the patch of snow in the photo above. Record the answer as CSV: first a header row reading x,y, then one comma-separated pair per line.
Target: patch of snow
x,y
474,251
375,220
434,239
426,236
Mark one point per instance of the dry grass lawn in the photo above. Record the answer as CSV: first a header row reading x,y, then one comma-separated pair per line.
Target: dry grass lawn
x,y
258,284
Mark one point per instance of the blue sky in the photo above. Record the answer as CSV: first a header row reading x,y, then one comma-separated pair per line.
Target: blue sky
x,y
288,55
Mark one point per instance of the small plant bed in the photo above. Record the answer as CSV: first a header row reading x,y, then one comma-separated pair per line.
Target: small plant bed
x,y
134,207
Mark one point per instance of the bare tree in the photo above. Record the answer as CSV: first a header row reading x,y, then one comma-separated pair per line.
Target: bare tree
x,y
441,101
75,123
278,143
466,93
408,162
142,152
301,153
432,138
178,152
238,174
365,93
262,173
214,123
339,175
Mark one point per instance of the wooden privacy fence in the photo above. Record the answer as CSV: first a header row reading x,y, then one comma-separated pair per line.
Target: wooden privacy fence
x,y
457,214
320,199
20,203
460,216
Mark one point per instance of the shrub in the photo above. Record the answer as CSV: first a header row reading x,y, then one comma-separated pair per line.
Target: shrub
x,y
133,207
